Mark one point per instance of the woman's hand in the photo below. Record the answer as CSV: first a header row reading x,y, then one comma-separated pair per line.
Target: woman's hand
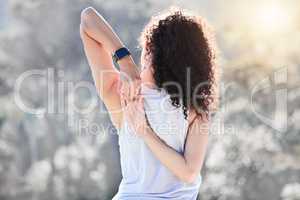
x,y
134,113
185,166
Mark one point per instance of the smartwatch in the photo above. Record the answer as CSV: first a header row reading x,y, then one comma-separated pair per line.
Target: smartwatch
x,y
121,53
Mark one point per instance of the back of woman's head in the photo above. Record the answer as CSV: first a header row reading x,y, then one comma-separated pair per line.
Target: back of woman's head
x,y
182,54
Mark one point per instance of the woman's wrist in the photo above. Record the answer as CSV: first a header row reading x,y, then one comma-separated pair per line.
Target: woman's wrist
x,y
129,71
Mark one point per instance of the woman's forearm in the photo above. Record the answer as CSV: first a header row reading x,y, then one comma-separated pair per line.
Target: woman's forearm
x,y
128,68
170,158
96,27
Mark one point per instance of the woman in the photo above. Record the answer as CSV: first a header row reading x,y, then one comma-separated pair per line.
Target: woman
x,y
162,113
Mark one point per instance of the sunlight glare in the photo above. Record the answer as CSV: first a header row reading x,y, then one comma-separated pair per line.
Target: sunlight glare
x,y
273,18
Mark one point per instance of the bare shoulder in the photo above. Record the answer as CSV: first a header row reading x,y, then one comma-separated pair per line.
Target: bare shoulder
x,y
197,117
198,122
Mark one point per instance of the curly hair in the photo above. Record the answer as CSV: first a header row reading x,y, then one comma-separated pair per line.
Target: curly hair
x,y
182,53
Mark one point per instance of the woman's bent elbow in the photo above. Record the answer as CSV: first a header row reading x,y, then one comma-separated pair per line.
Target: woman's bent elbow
x,y
86,17
189,177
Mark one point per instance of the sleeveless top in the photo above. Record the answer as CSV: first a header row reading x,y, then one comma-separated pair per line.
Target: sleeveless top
x,y
144,177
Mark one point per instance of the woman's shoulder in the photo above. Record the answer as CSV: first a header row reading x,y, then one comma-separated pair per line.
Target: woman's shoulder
x,y
197,117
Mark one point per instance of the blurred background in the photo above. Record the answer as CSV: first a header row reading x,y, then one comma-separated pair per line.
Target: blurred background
x,y
58,153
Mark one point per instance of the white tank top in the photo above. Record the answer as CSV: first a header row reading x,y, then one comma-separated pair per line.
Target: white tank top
x,y
144,177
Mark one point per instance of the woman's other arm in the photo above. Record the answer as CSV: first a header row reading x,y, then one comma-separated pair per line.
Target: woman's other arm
x,y
185,166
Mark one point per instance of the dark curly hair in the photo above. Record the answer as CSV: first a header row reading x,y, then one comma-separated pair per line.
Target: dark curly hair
x,y
182,53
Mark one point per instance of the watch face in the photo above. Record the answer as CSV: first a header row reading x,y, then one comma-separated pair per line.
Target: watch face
x,y
121,53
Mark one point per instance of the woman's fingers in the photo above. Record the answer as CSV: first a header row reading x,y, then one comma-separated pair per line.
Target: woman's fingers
x,y
134,108
126,89
135,87
130,91
122,99
135,114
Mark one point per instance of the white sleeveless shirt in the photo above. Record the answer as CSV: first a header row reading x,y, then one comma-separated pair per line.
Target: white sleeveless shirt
x,y
144,177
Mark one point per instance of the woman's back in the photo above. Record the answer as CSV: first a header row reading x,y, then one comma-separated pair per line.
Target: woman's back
x,y
178,55
144,176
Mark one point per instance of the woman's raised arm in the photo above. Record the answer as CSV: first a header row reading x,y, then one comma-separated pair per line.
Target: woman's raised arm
x,y
100,42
